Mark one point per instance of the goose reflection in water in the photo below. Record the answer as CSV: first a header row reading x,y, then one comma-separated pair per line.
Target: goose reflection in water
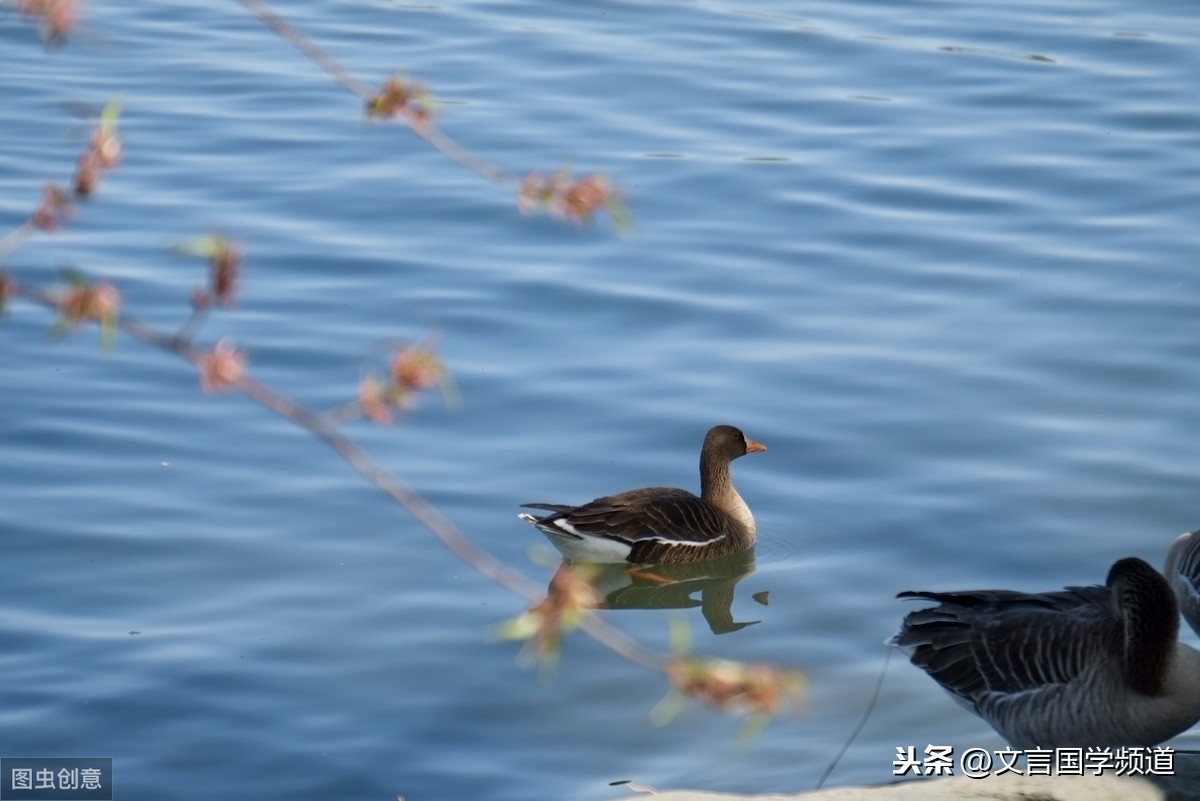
x,y
676,586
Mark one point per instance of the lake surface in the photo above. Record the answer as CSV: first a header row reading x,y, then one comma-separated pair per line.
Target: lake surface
x,y
940,257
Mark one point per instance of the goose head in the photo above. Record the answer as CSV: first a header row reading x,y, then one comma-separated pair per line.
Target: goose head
x,y
723,444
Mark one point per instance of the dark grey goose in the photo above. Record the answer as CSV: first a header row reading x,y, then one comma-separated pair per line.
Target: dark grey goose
x,y
1085,666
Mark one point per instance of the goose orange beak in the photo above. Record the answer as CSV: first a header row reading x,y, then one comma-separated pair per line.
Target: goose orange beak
x,y
754,447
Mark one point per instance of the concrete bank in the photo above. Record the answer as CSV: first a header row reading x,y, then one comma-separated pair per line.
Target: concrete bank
x,y
1184,786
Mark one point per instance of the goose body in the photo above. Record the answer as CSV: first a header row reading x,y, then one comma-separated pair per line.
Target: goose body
x,y
1083,666
660,524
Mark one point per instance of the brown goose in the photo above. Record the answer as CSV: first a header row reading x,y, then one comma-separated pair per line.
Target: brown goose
x,y
1084,666
660,524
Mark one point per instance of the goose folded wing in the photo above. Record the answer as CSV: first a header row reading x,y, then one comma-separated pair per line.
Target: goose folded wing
x,y
651,514
976,644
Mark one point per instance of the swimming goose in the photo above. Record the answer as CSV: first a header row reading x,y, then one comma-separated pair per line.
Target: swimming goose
x,y
1084,666
660,524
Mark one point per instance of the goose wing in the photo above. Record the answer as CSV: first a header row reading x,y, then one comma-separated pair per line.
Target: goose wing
x,y
1183,572
990,645
655,513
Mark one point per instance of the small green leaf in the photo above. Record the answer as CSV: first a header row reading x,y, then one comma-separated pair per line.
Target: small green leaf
x,y
681,635
668,708
108,333
751,728
521,627
110,115
208,247
622,222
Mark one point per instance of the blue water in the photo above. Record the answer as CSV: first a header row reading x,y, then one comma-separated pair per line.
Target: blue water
x,y
940,257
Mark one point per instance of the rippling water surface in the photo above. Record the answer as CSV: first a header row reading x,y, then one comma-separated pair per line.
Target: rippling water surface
x,y
940,257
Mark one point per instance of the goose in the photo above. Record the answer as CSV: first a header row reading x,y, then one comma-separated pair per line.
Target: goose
x,y
659,524
1183,571
1080,667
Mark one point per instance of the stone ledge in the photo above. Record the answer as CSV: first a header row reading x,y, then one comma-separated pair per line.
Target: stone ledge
x,y
992,788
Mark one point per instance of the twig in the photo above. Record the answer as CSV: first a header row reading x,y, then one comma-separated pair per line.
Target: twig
x,y
309,48
576,200
16,237
440,141
424,512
